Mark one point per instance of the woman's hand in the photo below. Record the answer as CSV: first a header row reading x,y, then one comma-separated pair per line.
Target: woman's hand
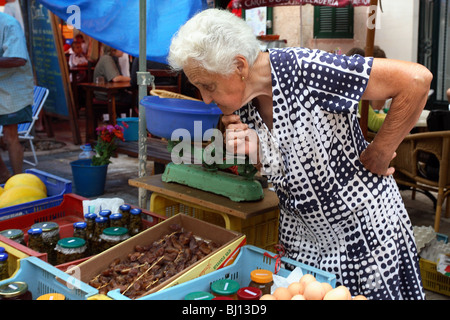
x,y
239,139
374,160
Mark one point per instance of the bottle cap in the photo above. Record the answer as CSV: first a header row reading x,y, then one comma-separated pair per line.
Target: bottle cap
x,y
125,207
105,213
52,296
80,225
249,293
90,216
199,295
115,231
135,211
115,216
225,287
12,233
35,231
101,219
46,226
261,276
13,289
71,243
2,250
3,257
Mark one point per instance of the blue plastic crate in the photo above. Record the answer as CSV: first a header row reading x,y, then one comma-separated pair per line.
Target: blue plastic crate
x,y
56,188
249,259
43,278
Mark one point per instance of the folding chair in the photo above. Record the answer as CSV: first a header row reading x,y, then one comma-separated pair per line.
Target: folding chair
x,y
24,129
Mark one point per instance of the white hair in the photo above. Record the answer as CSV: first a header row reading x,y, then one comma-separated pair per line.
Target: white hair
x,y
213,38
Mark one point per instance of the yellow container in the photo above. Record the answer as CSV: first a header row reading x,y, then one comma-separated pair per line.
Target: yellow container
x,y
433,280
261,230
14,257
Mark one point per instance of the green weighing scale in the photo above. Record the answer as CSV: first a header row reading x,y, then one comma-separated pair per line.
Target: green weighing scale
x,y
197,161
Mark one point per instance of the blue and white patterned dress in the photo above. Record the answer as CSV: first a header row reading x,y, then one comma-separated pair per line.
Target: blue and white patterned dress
x,y
335,215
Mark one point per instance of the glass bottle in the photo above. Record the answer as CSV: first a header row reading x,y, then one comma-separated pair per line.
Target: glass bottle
x,y
112,236
70,249
79,230
35,240
125,211
116,220
15,235
261,279
16,290
4,273
50,235
135,225
101,223
90,228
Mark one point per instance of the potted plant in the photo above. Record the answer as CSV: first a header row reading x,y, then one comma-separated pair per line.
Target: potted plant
x,y
90,174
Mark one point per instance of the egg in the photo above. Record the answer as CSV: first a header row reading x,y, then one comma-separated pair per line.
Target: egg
x,y
267,297
282,293
339,293
327,287
304,280
298,297
294,288
359,297
314,291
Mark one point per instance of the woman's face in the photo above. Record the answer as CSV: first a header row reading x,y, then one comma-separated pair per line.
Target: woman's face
x,y
226,91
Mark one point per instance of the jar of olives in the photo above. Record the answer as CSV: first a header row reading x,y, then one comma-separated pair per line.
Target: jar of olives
x,y
112,236
116,220
15,235
101,223
135,225
50,235
90,228
4,272
70,249
79,229
35,240
16,290
125,211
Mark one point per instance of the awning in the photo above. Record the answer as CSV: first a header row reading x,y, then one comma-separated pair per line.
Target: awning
x,y
248,4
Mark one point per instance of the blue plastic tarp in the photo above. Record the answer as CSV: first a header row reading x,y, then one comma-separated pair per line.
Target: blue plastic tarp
x,y
116,22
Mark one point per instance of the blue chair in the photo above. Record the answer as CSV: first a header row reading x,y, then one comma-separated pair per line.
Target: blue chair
x,y
40,94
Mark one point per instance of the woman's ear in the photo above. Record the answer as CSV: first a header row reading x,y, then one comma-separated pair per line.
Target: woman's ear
x,y
241,66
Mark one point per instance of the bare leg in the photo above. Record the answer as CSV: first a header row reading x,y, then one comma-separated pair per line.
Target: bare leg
x,y
15,149
4,172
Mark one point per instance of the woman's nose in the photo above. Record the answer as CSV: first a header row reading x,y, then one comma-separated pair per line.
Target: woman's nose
x,y
206,97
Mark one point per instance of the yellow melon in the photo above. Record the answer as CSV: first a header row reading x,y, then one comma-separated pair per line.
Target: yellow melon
x,y
25,179
20,194
1,190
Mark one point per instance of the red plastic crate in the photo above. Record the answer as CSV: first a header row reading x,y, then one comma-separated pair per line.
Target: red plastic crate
x,y
68,212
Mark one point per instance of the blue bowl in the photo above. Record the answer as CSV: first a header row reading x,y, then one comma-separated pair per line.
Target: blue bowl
x,y
165,115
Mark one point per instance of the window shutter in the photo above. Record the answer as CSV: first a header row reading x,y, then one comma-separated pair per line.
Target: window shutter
x,y
330,22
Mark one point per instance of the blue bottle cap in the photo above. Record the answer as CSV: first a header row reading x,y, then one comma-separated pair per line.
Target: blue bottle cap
x,y
125,207
80,225
3,257
115,216
90,215
101,219
105,213
2,250
135,211
35,231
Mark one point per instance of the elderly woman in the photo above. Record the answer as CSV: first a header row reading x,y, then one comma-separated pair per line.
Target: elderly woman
x,y
340,208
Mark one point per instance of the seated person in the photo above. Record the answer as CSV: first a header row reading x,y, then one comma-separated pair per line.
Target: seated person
x,y
108,68
78,59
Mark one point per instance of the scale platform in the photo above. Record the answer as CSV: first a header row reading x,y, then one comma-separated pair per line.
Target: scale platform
x,y
236,188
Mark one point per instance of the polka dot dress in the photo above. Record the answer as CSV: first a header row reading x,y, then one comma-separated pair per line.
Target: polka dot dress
x,y
335,215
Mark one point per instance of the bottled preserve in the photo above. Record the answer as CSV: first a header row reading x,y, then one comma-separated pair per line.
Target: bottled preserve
x,y
261,279
79,230
116,220
101,223
112,236
50,236
4,273
15,235
135,225
16,290
90,228
125,211
225,288
70,249
35,240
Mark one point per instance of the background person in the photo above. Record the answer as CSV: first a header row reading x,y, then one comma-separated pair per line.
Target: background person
x,y
16,90
340,208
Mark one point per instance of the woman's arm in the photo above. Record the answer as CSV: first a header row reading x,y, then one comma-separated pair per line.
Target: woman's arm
x,y
408,85
12,62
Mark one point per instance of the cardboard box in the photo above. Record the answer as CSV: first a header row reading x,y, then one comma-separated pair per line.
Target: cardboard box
x,y
228,240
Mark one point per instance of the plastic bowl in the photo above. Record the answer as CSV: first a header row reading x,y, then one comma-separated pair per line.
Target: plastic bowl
x,y
165,115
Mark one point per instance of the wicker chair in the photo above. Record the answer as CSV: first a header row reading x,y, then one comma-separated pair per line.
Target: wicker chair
x,y
407,166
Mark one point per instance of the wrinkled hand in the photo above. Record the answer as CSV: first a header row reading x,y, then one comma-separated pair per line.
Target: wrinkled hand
x,y
239,139
376,161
